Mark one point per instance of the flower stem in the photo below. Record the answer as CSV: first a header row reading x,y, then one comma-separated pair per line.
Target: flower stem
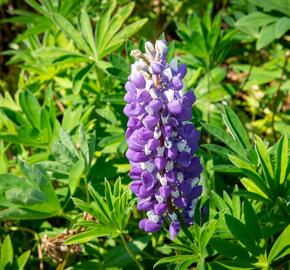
x,y
130,253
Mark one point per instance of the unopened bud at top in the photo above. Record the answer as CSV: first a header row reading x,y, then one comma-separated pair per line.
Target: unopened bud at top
x,y
149,48
161,47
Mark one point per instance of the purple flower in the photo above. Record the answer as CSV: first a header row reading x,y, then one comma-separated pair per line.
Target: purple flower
x,y
161,139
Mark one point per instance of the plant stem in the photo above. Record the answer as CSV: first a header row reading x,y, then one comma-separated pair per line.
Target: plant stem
x,y
130,252
62,265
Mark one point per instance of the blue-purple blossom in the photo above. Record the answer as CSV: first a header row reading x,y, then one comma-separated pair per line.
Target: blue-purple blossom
x,y
162,140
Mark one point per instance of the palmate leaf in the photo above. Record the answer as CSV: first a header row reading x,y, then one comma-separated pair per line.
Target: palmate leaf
x,y
103,25
35,125
255,20
266,36
282,26
228,249
112,211
116,22
30,198
122,36
87,31
34,30
242,234
66,26
109,35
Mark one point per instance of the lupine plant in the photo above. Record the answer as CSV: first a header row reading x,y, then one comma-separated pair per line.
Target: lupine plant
x,y
144,135
161,140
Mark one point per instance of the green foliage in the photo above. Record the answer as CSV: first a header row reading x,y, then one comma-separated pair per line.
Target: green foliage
x,y
265,27
31,197
63,69
7,260
113,212
255,163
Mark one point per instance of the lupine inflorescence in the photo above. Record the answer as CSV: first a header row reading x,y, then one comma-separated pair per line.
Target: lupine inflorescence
x,y
161,140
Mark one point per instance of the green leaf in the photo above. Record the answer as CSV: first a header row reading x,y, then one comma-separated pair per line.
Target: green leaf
x,y
236,203
99,230
278,5
22,260
282,26
36,6
218,201
70,31
224,137
207,232
122,36
242,234
281,246
71,118
252,195
234,124
33,31
87,31
281,160
222,151
252,221
228,248
176,259
237,264
75,175
255,20
6,259
251,173
84,147
80,77
264,158
103,207
103,25
109,195
67,142
31,108
226,169
114,26
30,198
266,36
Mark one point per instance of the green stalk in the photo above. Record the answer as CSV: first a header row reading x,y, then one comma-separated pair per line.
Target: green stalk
x,y
130,253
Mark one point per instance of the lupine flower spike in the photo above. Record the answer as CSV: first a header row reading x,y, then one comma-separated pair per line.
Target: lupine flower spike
x,y
161,140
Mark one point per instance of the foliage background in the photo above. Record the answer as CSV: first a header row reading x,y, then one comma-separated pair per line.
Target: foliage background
x,y
63,68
